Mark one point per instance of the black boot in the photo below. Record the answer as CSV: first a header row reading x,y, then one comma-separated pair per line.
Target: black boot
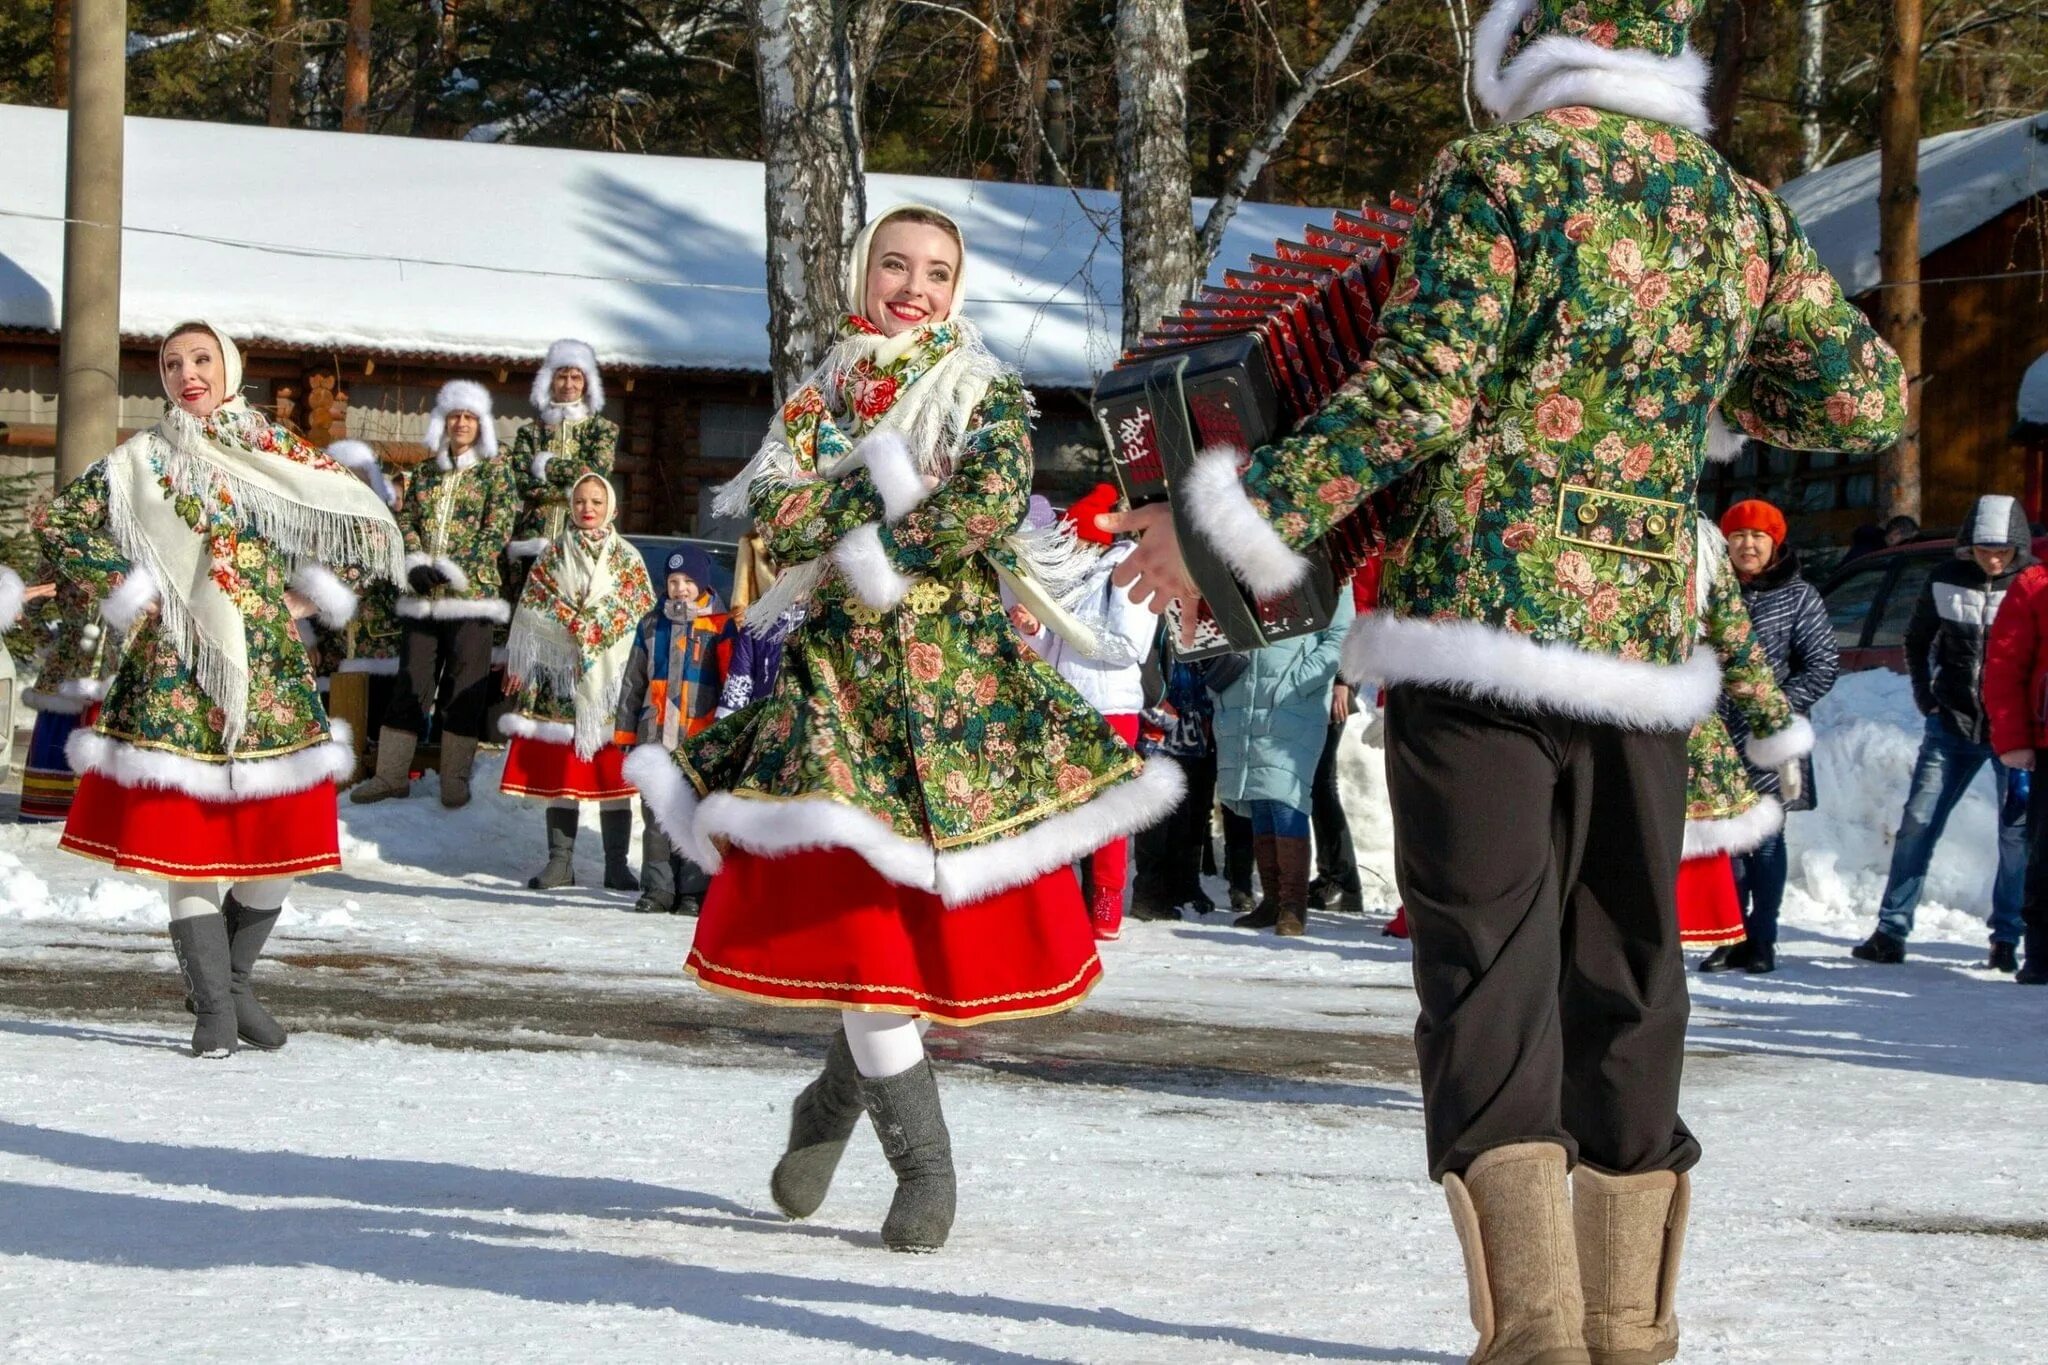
x,y
2005,957
1729,957
617,828
561,868
1761,960
820,1122
201,943
1880,947
905,1111
248,930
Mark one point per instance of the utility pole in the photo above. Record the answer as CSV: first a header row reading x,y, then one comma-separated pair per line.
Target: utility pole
x,y
89,356
1898,252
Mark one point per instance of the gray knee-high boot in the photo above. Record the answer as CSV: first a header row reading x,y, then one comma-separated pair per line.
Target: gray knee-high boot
x,y
561,868
616,827
908,1120
820,1122
201,943
657,871
248,930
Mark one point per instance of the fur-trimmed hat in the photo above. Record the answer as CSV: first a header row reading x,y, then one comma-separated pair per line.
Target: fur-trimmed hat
x,y
576,355
1625,56
360,459
462,395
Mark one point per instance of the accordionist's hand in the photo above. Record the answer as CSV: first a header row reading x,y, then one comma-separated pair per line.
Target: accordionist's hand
x,y
1155,574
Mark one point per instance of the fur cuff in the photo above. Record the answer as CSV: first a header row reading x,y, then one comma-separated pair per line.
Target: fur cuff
x,y
1724,443
865,565
1557,71
58,703
1484,661
330,760
124,606
1222,512
12,593
527,549
671,800
896,478
540,465
1788,745
1737,833
514,725
458,581
332,601
454,608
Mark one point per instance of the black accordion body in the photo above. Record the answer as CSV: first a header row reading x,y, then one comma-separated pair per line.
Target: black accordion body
x,y
1241,365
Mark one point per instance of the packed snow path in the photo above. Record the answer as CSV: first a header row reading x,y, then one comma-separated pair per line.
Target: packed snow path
x,y
510,1130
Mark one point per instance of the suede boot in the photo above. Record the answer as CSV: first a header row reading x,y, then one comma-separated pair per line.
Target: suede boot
x,y
1630,1232
394,768
458,756
905,1111
1291,912
1521,1267
201,944
248,931
820,1122
1266,853
616,826
561,868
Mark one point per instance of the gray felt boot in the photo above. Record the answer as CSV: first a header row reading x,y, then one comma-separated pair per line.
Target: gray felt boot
x,y
395,749
561,868
907,1118
248,930
657,869
617,828
458,758
820,1122
201,943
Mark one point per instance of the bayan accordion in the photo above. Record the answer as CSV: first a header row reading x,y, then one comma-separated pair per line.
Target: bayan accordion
x,y
1240,365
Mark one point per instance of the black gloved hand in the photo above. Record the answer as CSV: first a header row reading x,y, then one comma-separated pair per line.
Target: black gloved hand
x,y
425,578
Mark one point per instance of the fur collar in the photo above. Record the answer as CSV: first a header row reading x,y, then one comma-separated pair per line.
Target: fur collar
x,y
1556,72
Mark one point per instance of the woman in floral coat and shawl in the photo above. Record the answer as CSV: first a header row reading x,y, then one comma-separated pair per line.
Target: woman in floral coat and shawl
x,y
892,828
212,761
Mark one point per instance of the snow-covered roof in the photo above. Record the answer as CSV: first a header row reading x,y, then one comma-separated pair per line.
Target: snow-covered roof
x,y
1967,178
411,245
2033,407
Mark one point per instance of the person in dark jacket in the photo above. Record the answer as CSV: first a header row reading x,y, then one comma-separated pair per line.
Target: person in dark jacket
x,y
1945,656
1789,619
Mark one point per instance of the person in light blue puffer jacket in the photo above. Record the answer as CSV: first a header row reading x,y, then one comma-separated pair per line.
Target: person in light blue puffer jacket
x,y
1271,721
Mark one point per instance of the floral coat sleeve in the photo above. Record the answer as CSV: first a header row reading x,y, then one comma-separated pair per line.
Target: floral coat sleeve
x,y
574,449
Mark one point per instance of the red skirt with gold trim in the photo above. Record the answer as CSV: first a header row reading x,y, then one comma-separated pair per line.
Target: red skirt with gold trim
x,y
1709,912
168,833
547,771
823,928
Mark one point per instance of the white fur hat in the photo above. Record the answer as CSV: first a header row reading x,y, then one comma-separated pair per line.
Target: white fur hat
x,y
463,395
360,459
576,355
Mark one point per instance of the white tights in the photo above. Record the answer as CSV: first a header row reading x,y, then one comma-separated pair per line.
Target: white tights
x,y
192,899
883,1045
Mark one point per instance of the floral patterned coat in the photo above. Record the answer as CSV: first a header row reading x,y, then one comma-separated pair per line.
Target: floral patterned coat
x,y
930,717
154,701
1718,791
1580,291
71,668
459,520
589,444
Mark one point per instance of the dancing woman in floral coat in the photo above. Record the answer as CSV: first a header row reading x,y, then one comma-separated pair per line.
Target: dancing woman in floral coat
x,y
892,827
212,760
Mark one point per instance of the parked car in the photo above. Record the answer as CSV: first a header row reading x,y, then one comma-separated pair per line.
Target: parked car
x,y
1870,600
723,554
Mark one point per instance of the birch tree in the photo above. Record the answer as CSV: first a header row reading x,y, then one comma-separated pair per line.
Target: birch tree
x,y
1153,175
1807,95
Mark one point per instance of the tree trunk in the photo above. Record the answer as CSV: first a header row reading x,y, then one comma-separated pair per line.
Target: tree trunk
x,y
284,61
1152,160
355,71
1813,36
1898,210
811,56
60,53
1731,62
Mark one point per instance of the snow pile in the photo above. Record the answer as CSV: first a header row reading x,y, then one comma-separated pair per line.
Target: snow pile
x,y
108,903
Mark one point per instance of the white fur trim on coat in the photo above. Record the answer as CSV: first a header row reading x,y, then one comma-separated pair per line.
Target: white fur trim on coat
x,y
330,760
12,593
959,877
671,800
360,459
512,724
1215,500
888,461
1724,443
1736,834
1484,661
454,608
462,395
527,549
71,698
124,606
376,668
1557,71
540,464
577,355
331,598
1788,745
865,565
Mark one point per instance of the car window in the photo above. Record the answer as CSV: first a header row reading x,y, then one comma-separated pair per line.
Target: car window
x,y
1900,600
1849,600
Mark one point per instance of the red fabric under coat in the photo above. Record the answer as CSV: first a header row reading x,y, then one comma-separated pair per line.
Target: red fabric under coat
x,y
1709,911
169,834
822,928
546,771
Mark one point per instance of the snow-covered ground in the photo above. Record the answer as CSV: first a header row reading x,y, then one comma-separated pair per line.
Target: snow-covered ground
x,y
1872,1188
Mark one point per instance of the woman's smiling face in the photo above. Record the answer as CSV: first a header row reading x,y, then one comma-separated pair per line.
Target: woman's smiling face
x,y
912,268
